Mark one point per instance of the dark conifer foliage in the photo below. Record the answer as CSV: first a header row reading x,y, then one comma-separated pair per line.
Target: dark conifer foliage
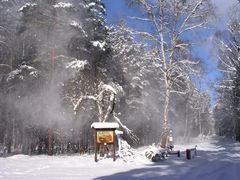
x,y
52,53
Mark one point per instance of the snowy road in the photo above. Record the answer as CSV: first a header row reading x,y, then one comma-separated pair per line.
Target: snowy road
x,y
218,159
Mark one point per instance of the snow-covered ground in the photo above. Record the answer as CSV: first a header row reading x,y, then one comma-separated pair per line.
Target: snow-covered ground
x,y
217,159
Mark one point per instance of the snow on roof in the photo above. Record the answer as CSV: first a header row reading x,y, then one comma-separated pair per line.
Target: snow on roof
x,y
26,6
103,125
63,5
117,132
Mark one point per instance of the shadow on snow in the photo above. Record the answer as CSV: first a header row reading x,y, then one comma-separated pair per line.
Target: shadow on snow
x,y
221,163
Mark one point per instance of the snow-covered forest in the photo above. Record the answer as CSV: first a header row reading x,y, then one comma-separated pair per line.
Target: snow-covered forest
x,y
63,66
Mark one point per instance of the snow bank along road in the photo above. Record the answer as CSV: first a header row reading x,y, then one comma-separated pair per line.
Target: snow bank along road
x,y
217,159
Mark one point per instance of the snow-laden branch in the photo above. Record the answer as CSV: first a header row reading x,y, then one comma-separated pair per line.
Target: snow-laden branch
x,y
104,115
100,104
182,45
147,7
63,5
228,62
178,76
191,28
143,34
178,92
189,15
227,71
106,87
224,87
126,129
139,18
31,71
27,5
76,106
183,62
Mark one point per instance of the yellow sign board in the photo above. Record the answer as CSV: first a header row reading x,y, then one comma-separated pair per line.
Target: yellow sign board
x,y
105,136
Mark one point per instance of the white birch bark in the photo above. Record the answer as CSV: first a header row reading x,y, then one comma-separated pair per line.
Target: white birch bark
x,y
167,37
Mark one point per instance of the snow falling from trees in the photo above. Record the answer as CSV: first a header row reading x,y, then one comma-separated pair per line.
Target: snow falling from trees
x,y
53,53
226,111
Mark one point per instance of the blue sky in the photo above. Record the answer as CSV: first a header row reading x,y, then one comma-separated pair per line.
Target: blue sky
x,y
203,48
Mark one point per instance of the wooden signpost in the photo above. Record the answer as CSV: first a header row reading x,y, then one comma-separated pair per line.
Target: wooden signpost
x,y
105,135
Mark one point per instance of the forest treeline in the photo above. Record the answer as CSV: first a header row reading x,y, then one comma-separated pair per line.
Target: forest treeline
x,y
226,111
52,53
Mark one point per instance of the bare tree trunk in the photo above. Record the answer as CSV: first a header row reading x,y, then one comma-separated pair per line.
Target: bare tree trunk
x,y
14,132
200,123
50,141
30,137
8,133
186,121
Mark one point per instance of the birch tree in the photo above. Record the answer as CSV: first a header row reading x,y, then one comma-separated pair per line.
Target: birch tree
x,y
140,82
171,22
